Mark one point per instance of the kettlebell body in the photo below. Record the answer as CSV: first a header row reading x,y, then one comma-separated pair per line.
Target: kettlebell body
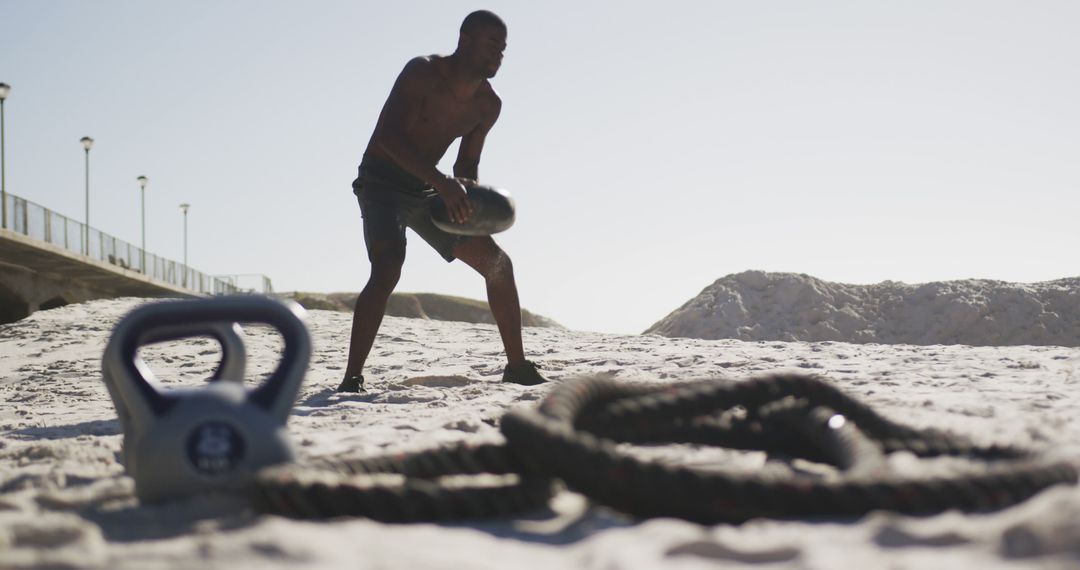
x,y
184,441
211,440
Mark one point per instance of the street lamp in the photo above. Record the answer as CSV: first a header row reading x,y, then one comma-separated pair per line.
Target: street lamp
x,y
4,90
142,198
184,209
87,143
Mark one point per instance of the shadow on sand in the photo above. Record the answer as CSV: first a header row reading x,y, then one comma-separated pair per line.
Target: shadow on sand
x,y
328,397
169,520
562,522
94,427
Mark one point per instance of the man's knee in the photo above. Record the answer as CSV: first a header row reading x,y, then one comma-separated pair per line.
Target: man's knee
x,y
486,257
386,262
501,268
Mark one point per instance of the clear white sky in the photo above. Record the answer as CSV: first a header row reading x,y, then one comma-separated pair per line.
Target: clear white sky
x,y
652,147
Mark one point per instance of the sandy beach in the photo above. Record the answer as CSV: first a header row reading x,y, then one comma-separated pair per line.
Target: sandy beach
x,y
828,235
66,503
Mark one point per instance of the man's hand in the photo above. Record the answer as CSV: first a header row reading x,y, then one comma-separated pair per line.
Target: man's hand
x,y
452,191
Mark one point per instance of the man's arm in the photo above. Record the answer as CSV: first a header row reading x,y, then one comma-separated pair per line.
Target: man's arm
x,y
467,164
400,113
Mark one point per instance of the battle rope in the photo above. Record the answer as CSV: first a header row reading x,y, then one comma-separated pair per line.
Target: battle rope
x,y
405,487
573,435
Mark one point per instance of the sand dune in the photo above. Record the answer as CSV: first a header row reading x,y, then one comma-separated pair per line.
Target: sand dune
x,y
65,502
755,305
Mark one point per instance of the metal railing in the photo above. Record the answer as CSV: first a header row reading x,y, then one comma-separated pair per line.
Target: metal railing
x,y
40,223
249,283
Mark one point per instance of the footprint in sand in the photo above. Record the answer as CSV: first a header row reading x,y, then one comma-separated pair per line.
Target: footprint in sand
x,y
898,535
718,551
439,381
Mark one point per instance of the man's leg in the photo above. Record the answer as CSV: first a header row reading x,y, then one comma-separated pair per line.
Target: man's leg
x,y
387,258
487,258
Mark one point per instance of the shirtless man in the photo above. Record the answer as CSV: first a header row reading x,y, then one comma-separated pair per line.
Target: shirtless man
x,y
435,100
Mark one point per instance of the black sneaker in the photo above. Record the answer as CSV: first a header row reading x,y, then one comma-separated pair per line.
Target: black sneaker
x,y
525,374
352,383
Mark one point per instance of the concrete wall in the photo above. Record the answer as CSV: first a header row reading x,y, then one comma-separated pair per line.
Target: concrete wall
x,y
23,291
38,276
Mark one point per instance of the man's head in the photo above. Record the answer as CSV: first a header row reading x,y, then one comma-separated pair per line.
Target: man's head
x,y
481,42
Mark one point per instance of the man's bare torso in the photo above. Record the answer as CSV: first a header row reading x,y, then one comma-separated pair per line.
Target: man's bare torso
x,y
441,115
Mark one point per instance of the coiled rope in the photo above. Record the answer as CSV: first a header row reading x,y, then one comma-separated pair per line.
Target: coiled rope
x,y
572,436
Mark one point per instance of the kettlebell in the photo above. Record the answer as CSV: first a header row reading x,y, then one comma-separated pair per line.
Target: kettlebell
x,y
232,366
179,442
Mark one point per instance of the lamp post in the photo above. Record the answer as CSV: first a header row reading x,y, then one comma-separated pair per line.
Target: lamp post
x,y
142,199
184,208
4,90
87,143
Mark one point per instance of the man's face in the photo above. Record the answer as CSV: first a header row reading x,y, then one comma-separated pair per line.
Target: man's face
x,y
486,46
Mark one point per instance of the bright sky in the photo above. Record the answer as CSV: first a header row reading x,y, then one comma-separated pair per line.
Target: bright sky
x,y
651,147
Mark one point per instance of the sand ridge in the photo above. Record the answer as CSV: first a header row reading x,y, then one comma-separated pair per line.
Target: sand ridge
x,y
755,305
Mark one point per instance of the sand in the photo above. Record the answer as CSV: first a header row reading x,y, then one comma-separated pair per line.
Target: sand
x,y
65,501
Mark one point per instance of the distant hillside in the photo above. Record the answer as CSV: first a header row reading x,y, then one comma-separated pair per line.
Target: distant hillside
x,y
419,306
755,306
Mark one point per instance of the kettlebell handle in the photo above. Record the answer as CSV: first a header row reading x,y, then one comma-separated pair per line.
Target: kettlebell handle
x,y
228,334
175,320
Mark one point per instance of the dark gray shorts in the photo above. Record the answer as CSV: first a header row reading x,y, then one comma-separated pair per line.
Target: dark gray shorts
x,y
392,200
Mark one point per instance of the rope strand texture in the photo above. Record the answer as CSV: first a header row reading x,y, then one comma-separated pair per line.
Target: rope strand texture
x,y
405,487
573,434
